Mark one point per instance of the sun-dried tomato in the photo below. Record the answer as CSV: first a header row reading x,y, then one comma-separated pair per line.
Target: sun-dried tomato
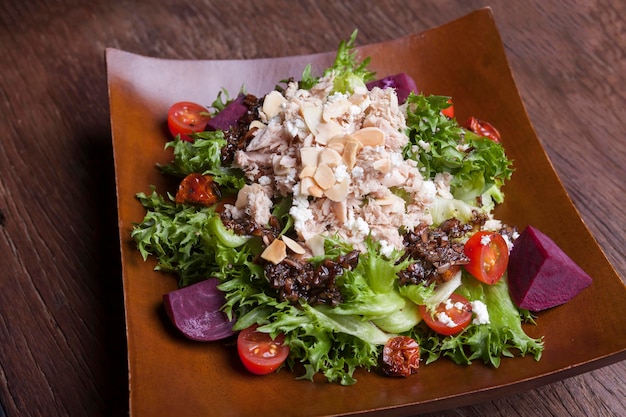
x,y
401,356
198,189
482,128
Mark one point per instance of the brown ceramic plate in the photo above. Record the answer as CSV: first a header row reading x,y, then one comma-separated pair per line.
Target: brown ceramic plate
x,y
170,376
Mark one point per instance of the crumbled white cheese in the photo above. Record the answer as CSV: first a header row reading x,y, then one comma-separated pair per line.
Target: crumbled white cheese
x,y
357,172
485,240
386,249
357,226
265,180
509,244
480,311
341,173
493,225
445,319
300,211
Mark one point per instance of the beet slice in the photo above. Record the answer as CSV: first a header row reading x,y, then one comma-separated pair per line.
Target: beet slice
x,y
230,115
195,311
540,274
402,82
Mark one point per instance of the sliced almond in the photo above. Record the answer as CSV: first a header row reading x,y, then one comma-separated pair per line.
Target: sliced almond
x,y
370,136
307,171
324,176
316,245
293,245
327,130
272,104
339,139
350,150
256,124
337,147
309,155
340,210
305,184
315,191
275,252
382,165
336,109
312,116
339,191
330,157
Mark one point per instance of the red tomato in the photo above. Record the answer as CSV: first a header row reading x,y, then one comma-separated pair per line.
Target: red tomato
x,y
185,118
489,256
449,111
259,353
482,128
449,317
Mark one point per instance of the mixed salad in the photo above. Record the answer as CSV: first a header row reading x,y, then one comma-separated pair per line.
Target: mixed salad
x,y
346,221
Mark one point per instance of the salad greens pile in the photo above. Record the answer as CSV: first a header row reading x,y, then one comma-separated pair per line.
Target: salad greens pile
x,y
193,243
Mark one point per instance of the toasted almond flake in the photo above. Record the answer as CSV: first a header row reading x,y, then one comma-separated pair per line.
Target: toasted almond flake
x,y
370,136
340,210
327,130
309,155
339,139
275,252
257,124
383,165
339,191
316,245
337,147
307,171
272,104
324,176
312,116
351,149
336,109
293,245
330,157
315,191
305,185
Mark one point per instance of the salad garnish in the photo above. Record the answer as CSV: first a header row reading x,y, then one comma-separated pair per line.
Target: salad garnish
x,y
348,220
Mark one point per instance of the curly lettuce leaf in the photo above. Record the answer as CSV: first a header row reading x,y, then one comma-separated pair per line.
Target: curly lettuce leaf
x,y
189,241
479,165
502,337
203,155
349,73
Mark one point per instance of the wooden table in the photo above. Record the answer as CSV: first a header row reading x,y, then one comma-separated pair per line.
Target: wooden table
x,y
62,330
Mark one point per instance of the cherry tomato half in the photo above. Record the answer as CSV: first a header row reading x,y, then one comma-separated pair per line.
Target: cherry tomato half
x,y
449,317
489,256
185,118
259,353
449,111
482,128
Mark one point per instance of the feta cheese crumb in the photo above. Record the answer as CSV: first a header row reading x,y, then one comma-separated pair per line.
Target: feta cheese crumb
x,y
265,180
485,240
445,319
357,172
386,249
300,212
480,310
341,173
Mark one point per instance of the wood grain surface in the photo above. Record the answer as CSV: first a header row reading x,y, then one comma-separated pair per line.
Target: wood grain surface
x,y
62,330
